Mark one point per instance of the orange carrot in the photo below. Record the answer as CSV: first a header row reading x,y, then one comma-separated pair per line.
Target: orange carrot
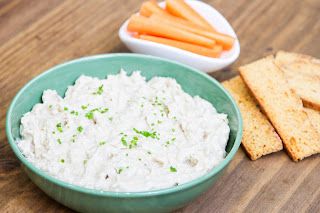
x,y
150,7
181,9
214,52
144,11
225,41
142,24
136,35
182,21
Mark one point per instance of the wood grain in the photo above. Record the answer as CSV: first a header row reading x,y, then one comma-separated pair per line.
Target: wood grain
x,y
36,35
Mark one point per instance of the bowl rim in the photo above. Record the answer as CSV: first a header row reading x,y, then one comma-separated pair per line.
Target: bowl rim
x,y
96,192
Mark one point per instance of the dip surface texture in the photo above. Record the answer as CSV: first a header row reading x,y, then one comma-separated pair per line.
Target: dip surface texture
x,y
124,134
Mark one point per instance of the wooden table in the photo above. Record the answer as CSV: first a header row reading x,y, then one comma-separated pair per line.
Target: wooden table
x,y
38,34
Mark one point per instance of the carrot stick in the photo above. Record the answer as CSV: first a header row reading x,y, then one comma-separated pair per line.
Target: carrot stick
x,y
214,52
224,40
142,24
136,35
144,11
182,21
181,9
150,7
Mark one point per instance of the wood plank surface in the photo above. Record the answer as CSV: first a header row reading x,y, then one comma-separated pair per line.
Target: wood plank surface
x,y
37,34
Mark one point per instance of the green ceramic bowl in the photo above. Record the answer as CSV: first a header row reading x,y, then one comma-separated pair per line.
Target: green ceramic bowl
x,y
82,199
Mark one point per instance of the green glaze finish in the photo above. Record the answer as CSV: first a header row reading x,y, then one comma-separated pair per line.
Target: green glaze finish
x,y
82,199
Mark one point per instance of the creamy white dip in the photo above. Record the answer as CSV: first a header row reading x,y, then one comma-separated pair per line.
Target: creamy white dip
x,y
124,134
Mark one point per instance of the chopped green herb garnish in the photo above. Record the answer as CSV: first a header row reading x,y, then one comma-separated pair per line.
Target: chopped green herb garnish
x,y
66,109
149,153
173,130
110,118
224,120
152,124
53,132
139,159
104,111
85,161
59,125
159,103
121,133
72,112
135,138
99,91
141,105
59,129
74,135
125,135
163,91
120,170
173,139
102,143
62,160
76,113
156,98
144,97
175,117
83,107
173,169
127,167
127,154
145,133
155,113
80,128
124,142
168,142
89,115
134,142
162,114
130,146
50,106
159,122
73,140
59,141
